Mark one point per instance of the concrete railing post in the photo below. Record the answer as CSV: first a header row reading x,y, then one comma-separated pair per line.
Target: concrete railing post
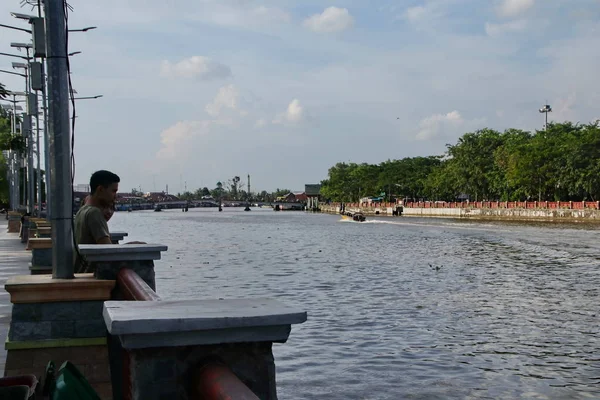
x,y
108,259
167,343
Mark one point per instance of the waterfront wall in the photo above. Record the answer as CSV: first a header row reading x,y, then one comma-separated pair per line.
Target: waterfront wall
x,y
562,211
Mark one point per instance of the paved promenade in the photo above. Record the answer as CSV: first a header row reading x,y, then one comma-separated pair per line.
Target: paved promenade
x,y
14,260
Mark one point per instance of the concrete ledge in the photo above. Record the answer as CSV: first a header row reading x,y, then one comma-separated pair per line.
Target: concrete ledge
x,y
39,243
47,344
42,288
117,252
197,322
40,269
278,333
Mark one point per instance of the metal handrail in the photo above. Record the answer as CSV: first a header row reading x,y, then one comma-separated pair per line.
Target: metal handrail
x,y
213,380
133,287
217,382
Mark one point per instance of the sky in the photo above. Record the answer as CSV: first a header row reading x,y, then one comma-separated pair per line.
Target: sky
x,y
199,91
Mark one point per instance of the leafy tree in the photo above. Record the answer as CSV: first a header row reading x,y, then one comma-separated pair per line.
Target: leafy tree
x,y
559,163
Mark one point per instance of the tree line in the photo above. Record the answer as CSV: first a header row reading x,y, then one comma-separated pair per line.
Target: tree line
x,y
231,191
559,163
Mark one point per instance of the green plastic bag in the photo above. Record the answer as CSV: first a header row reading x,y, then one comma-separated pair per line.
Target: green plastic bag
x,y
70,384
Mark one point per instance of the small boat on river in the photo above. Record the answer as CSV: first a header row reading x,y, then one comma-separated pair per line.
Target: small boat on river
x,y
354,216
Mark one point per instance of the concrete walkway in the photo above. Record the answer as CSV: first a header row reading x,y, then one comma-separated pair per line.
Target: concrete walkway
x,y
14,260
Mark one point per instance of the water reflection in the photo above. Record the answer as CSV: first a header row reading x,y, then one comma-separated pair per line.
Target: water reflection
x,y
511,312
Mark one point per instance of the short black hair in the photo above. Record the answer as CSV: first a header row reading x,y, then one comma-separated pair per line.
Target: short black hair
x,y
102,178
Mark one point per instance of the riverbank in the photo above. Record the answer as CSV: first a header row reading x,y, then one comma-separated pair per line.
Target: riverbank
x,y
517,214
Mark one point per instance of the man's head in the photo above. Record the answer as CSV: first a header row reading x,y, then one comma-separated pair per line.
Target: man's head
x,y
104,186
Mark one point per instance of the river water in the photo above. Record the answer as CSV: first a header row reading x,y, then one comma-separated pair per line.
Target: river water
x,y
400,308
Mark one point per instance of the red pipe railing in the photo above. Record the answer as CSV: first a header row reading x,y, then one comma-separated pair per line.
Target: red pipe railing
x,y
133,287
213,381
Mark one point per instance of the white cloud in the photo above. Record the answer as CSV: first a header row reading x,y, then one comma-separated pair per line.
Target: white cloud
x,y
498,29
196,67
293,114
294,111
174,139
431,16
332,19
414,14
270,14
513,8
448,125
226,98
562,110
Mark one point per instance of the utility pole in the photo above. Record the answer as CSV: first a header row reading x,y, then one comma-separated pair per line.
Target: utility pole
x,y
60,143
15,161
46,146
546,109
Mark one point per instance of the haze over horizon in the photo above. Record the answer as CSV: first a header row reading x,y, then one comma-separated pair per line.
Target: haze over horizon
x,y
200,91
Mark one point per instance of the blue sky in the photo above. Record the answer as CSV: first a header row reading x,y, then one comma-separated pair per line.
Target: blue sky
x,y
200,91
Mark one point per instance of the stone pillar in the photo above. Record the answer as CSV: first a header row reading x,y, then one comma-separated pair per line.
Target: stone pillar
x,y
58,320
108,259
165,342
41,255
61,319
14,221
44,232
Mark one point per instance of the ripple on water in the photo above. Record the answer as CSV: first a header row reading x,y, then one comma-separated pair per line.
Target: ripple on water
x,y
512,312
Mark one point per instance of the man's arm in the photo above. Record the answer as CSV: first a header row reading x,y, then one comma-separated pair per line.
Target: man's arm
x,y
98,227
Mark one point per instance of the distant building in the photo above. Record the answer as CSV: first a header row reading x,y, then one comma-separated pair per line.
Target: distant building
x,y
159,197
312,190
369,200
313,195
300,197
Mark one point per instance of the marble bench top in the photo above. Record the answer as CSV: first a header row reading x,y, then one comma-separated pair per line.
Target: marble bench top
x,y
142,324
121,252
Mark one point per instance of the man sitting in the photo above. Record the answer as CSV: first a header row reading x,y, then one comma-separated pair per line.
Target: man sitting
x,y
91,225
90,222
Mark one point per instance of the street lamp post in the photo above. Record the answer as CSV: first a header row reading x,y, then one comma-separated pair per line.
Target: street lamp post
x,y
60,144
28,129
546,109
14,165
39,50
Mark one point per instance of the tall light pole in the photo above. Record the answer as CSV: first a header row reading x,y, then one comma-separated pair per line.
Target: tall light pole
x,y
38,32
11,157
38,75
546,109
60,144
28,128
15,159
